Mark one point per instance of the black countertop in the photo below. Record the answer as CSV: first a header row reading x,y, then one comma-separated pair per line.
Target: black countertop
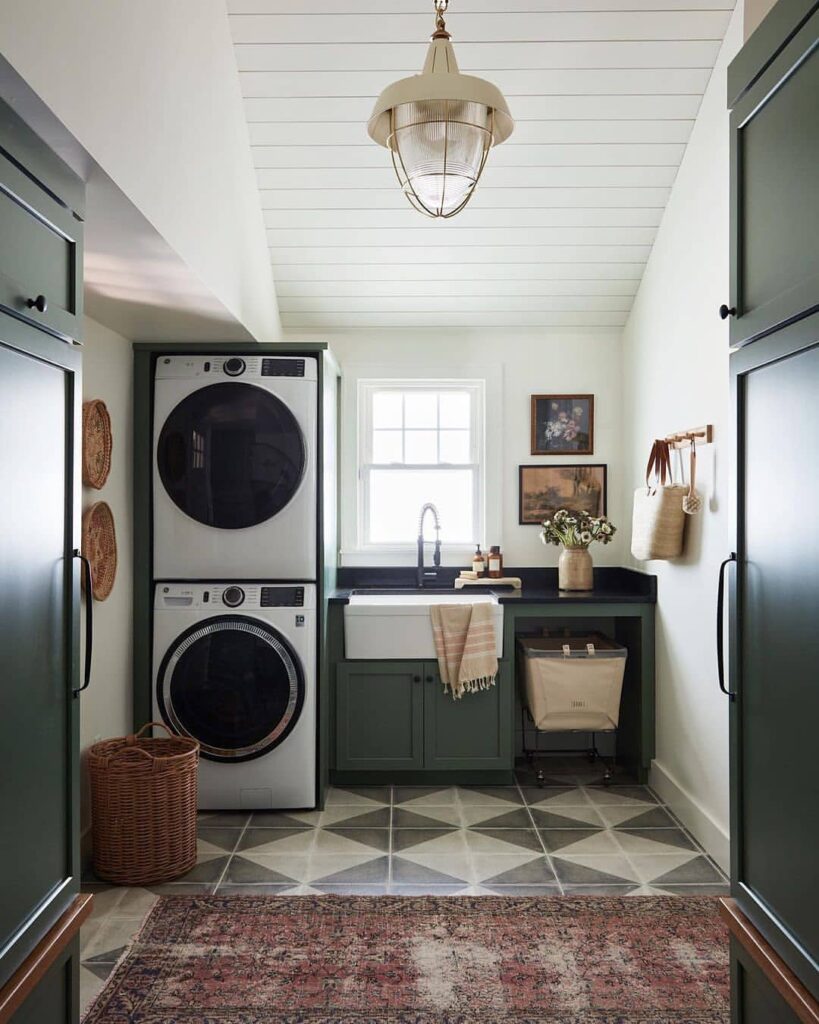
x,y
612,585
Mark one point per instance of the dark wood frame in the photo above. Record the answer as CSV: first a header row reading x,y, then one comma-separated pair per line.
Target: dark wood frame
x,y
579,465
534,450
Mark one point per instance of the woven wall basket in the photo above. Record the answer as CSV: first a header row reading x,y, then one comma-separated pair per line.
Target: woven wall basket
x,y
99,545
143,806
97,443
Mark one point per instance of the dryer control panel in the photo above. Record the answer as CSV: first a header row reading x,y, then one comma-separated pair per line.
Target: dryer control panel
x,y
238,596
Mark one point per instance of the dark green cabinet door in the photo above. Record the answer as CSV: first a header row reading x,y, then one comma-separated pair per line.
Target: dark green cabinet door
x,y
379,712
474,732
754,1000
774,179
775,786
38,596
56,996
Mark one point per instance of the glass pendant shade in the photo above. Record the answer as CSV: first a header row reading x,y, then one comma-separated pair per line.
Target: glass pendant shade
x,y
439,127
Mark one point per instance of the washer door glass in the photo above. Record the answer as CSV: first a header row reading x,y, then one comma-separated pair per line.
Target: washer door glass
x,y
231,455
234,684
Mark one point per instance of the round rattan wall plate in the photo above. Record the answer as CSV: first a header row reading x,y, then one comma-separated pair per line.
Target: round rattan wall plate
x,y
96,443
99,545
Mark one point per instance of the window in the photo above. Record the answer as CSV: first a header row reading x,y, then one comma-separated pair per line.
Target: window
x,y
420,441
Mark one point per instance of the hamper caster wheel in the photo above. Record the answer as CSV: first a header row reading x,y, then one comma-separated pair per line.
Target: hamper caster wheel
x,y
607,779
541,778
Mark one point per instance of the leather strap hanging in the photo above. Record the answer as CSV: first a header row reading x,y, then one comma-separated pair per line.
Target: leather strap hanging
x,y
659,463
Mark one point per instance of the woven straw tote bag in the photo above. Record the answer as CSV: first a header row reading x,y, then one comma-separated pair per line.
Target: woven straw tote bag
x,y
658,522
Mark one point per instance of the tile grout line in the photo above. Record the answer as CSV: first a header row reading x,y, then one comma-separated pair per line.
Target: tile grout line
x,y
232,852
546,853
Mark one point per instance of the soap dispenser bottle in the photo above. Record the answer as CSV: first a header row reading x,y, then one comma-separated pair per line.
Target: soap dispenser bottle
x,y
495,563
478,564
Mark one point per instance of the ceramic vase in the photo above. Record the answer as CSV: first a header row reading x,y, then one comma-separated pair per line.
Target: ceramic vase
x,y
575,570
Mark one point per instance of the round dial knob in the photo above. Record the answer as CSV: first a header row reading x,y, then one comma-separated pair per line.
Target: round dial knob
x,y
234,366
233,597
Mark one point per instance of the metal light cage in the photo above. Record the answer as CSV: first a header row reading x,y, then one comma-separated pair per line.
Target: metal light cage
x,y
440,189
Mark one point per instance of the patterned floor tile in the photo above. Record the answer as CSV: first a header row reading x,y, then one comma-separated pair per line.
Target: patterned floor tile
x,y
494,870
277,840
224,819
366,841
578,840
590,869
208,869
627,889
421,797
694,890
366,796
216,840
637,816
183,888
555,799
280,819
429,840
697,870
490,796
427,817
266,868
502,840
488,817
519,890
340,816
653,840
602,796
431,871
345,869
350,889
567,817
256,889
652,866
399,889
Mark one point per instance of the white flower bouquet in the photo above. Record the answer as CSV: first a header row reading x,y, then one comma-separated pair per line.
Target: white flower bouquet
x,y
576,529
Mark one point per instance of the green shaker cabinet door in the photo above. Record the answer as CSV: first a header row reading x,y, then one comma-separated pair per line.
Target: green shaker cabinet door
x,y
775,187
472,733
379,712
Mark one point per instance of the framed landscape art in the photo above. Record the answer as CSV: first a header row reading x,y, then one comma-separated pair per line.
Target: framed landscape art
x,y
562,424
545,489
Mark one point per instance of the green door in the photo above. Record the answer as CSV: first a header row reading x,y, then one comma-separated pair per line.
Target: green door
x,y
472,733
379,715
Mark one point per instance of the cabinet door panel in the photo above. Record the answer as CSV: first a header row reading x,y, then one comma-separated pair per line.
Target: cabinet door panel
x,y
775,192
754,1000
379,715
37,645
474,732
775,788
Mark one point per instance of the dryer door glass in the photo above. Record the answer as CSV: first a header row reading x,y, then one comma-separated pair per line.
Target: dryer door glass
x,y
231,455
234,684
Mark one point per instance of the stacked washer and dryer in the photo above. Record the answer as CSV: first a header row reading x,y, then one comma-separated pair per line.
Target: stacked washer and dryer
x,y
235,561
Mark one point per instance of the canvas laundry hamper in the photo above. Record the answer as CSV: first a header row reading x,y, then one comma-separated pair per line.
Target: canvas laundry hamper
x,y
573,683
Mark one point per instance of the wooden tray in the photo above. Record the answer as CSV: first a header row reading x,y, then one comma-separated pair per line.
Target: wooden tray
x,y
99,545
97,443
486,581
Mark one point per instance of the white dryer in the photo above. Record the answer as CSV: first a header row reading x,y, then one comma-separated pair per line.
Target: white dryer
x,y
235,467
235,668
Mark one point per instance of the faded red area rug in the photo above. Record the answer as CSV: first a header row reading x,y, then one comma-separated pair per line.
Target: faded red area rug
x,y
423,960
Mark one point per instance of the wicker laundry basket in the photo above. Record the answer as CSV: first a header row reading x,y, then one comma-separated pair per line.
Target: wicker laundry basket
x,y
143,802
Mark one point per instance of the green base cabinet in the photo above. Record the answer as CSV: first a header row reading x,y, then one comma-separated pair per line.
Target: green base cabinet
x,y
395,715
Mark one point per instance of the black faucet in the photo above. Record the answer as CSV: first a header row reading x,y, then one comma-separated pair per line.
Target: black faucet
x,y
425,577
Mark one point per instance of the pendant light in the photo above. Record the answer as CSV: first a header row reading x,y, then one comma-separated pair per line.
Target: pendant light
x,y
439,127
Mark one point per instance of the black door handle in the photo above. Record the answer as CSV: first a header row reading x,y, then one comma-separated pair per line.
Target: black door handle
x,y
720,613
40,303
89,619
726,311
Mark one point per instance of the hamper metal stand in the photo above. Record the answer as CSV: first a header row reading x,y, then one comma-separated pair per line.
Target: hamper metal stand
x,y
592,753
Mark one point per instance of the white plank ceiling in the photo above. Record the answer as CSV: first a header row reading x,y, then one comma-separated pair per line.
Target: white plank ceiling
x,y
604,94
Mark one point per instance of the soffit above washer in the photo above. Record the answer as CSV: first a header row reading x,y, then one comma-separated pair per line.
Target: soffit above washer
x,y
604,94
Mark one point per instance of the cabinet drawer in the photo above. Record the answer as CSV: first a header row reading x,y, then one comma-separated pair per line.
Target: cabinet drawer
x,y
41,254
775,191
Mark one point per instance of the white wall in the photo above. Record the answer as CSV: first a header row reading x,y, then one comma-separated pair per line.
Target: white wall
x,y
105,708
676,376
151,91
522,363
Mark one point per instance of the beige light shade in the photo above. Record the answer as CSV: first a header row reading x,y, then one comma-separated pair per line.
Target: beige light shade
x,y
439,127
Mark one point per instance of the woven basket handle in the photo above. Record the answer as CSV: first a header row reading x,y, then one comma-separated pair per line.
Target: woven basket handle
x,y
130,740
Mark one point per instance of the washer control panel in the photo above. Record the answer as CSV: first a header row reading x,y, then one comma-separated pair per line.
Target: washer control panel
x,y
239,596
242,367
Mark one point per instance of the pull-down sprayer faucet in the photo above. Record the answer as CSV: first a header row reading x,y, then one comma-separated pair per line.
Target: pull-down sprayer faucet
x,y
423,575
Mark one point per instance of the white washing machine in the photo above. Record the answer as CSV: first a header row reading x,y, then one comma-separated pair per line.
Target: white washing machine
x,y
235,467
235,668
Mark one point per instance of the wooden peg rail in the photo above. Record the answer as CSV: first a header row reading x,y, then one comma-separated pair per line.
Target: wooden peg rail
x,y
699,435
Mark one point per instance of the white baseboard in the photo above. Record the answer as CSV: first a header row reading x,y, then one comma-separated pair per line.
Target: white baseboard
x,y
709,833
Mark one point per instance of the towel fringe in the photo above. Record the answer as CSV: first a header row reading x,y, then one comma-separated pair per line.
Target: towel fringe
x,y
469,686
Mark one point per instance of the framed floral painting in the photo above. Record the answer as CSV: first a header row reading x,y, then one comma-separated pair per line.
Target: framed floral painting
x,y
545,489
562,424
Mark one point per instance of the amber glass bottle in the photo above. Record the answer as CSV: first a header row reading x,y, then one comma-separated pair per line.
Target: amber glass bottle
x,y
495,563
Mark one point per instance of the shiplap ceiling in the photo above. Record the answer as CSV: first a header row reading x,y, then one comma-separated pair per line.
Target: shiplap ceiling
x,y
604,94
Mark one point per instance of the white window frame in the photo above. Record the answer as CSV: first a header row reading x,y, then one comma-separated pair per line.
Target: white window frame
x,y
367,551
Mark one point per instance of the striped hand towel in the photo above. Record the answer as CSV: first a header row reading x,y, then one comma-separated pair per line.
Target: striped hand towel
x,y
465,644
